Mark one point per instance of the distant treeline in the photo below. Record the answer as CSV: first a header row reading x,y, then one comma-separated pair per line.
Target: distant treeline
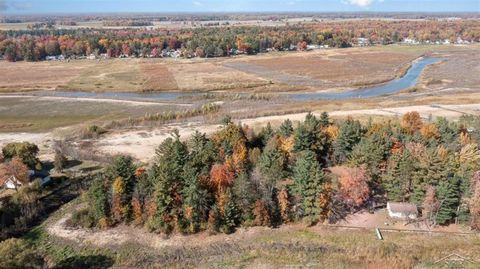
x,y
128,23
36,44
241,16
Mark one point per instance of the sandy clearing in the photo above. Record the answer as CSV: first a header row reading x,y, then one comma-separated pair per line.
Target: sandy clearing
x,y
100,100
37,138
141,144
449,111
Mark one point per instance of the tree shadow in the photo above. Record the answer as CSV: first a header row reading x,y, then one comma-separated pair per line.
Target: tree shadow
x,y
86,262
72,163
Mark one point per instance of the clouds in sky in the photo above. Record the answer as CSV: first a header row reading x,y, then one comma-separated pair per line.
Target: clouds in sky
x,y
362,3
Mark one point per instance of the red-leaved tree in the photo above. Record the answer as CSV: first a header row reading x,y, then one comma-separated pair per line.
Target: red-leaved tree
x,y
354,186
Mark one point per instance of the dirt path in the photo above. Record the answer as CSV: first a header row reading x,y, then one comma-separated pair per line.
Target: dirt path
x,y
100,100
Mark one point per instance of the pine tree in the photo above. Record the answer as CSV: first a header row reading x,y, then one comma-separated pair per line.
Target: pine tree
x,y
430,171
266,134
202,153
448,197
286,129
195,202
309,136
397,180
230,213
349,135
167,180
309,180
272,164
324,120
245,194
98,201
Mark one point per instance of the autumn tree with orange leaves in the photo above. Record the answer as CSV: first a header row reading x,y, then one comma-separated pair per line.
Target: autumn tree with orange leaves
x,y
412,122
354,186
15,171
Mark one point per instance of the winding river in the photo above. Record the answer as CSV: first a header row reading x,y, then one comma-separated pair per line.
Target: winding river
x,y
407,81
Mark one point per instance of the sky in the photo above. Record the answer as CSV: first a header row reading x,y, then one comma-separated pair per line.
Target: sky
x,y
11,7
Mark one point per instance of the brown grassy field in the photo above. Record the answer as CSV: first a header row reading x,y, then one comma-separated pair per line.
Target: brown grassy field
x,y
254,247
286,71
20,76
343,68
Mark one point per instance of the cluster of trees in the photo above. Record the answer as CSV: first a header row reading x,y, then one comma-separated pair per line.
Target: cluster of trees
x,y
16,159
239,177
36,44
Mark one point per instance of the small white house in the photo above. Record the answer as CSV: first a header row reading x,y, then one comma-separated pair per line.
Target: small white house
x,y
12,183
402,210
363,42
91,57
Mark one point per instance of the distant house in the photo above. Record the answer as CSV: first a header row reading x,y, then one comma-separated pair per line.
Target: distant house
x,y
13,183
411,41
402,210
363,42
92,56
313,47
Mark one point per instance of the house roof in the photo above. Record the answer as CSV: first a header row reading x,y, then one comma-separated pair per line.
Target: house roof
x,y
402,207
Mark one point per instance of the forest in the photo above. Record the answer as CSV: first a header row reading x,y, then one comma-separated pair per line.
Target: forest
x,y
238,177
36,44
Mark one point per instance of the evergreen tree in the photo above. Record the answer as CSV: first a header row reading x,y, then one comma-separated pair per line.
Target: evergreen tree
x,y
397,179
272,165
349,135
448,131
202,153
309,136
309,180
324,120
286,129
195,203
167,179
245,194
266,134
230,213
123,169
99,202
448,197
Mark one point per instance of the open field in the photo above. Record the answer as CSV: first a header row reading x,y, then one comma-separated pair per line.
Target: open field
x,y
29,113
331,69
255,247
282,71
